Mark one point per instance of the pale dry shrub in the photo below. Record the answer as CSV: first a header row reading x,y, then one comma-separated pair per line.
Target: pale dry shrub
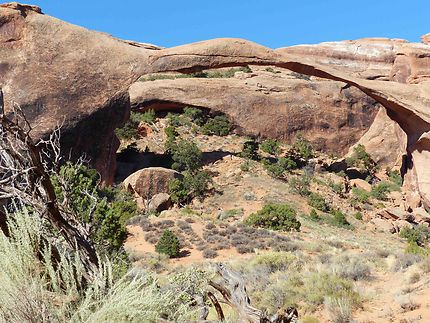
x,y
351,267
339,309
34,289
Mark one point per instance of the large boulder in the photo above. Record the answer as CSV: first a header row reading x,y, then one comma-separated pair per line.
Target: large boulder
x,y
150,181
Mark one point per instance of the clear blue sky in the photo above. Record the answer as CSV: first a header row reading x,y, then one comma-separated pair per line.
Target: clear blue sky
x,y
274,23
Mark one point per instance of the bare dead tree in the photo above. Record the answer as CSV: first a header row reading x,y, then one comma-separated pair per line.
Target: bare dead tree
x,y
233,290
26,167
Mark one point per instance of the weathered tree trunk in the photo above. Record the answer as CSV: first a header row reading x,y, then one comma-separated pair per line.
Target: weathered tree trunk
x,y
233,291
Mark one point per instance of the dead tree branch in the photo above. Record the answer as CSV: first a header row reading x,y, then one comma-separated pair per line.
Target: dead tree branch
x,y
25,177
233,290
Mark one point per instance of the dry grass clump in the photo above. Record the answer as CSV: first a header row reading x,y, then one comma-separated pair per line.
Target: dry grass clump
x,y
414,277
33,287
403,261
339,309
209,253
165,224
152,237
276,280
406,303
351,267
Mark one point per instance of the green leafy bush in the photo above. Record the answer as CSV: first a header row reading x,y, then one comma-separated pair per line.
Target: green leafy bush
x,y
339,219
336,187
186,155
301,185
250,149
276,217
148,117
359,196
245,166
168,244
271,146
105,210
195,115
419,235
218,125
171,135
361,159
313,215
303,148
380,190
279,168
395,177
175,120
227,73
194,184
129,130
318,202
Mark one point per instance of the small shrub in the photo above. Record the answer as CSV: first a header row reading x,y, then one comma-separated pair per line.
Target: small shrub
x,y
245,166
313,215
301,76
279,168
339,309
380,190
317,201
359,196
353,268
168,244
301,185
175,120
195,115
186,156
218,125
303,148
243,249
194,184
339,219
274,261
127,132
336,187
275,217
395,177
358,216
250,150
171,135
269,69
405,260
209,254
361,159
419,235
148,117
271,146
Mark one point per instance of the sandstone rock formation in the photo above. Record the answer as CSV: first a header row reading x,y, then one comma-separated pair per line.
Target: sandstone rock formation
x,y
150,181
59,72
275,105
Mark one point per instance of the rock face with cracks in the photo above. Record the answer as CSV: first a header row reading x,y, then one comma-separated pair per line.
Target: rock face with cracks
x,y
60,73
